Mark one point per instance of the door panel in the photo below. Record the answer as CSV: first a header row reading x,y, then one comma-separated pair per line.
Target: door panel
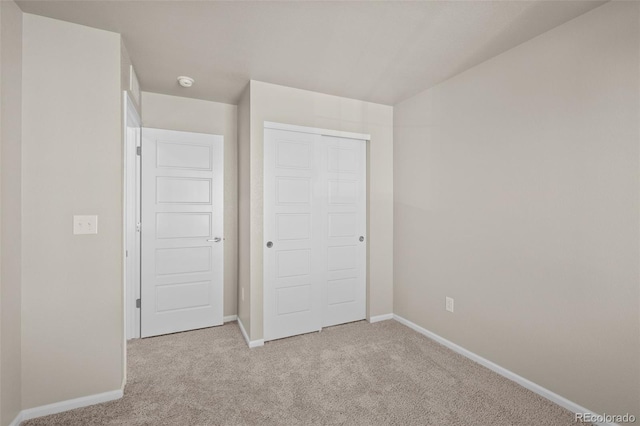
x,y
183,296
344,256
181,218
172,190
342,291
184,156
341,258
292,288
183,260
183,225
293,226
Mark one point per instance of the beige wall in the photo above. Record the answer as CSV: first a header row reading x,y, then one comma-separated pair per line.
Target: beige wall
x,y
72,316
269,102
244,205
517,189
10,166
194,115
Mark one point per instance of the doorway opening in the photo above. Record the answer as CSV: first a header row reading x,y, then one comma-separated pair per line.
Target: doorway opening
x,y
173,242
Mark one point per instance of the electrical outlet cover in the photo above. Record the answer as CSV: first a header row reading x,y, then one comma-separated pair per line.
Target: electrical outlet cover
x,y
449,304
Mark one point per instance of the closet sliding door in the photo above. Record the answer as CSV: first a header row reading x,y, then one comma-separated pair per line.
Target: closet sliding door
x,y
291,284
343,214
314,231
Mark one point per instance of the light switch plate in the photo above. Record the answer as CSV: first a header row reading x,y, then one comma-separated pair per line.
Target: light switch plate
x,y
85,224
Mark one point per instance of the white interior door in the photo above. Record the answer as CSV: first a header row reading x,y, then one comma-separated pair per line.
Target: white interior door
x,y
182,241
292,290
314,231
344,224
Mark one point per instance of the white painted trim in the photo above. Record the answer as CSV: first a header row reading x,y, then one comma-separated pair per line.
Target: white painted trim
x,y
244,332
316,131
256,343
250,343
229,318
17,420
379,318
130,185
134,84
544,392
70,404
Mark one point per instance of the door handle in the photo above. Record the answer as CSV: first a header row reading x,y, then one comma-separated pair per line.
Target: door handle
x,y
215,240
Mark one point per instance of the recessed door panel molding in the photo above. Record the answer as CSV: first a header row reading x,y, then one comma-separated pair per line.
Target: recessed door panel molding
x,y
293,155
183,260
342,159
342,291
342,225
342,258
175,297
183,155
293,226
183,225
182,241
293,300
343,191
293,263
183,190
314,220
293,190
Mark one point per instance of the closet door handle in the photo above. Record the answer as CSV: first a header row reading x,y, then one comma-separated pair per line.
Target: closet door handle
x,y
215,240
269,244
361,238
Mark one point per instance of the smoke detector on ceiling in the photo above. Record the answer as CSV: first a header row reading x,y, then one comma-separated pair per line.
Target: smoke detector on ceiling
x,y
185,81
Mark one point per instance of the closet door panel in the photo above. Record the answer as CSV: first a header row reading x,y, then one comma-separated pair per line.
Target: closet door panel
x,y
343,209
292,287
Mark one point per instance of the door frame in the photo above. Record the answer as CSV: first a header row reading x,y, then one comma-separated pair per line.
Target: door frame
x,y
131,218
335,133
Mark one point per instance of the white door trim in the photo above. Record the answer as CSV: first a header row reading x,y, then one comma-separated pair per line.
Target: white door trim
x,y
316,131
131,238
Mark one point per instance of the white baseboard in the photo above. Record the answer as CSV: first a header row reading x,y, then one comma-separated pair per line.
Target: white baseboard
x,y
86,401
70,404
544,392
17,420
250,343
379,318
230,318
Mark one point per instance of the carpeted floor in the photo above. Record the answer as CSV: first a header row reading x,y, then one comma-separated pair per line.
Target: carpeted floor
x,y
353,374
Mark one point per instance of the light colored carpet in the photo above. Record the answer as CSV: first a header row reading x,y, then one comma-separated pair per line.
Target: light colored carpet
x,y
353,374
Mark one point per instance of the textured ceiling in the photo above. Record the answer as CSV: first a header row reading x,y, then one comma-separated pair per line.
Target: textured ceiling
x,y
375,51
